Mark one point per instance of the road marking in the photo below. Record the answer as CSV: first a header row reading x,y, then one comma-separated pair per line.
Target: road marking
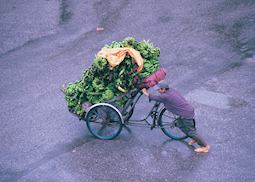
x,y
214,99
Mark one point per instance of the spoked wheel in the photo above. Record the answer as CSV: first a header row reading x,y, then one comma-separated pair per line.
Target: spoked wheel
x,y
104,121
167,123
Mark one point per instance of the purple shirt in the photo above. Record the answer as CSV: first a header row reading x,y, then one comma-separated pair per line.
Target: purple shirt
x,y
175,103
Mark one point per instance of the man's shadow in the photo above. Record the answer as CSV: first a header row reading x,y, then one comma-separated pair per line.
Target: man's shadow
x,y
184,161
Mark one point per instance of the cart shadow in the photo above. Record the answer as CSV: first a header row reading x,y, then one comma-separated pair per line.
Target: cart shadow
x,y
58,150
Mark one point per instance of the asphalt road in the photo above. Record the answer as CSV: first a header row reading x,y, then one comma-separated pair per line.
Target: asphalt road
x,y
208,48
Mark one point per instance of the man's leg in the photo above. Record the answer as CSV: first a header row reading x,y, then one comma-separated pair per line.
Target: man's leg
x,y
192,133
188,127
192,142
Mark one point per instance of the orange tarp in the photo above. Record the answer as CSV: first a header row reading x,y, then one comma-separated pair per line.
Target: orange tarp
x,y
115,56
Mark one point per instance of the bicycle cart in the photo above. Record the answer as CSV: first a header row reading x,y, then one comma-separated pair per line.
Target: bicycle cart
x,y
106,120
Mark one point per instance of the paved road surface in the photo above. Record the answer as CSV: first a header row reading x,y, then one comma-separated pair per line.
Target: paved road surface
x,y
208,48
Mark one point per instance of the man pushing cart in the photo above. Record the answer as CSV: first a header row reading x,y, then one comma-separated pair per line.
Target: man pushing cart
x,y
106,95
174,102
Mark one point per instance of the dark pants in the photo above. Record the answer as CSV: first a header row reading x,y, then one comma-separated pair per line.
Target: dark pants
x,y
188,127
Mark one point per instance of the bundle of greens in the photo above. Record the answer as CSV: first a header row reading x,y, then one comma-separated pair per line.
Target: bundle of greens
x,y
100,82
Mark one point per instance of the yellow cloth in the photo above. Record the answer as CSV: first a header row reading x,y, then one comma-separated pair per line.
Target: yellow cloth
x,y
115,56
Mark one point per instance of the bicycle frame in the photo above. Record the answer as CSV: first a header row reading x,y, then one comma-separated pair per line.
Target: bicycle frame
x,y
128,111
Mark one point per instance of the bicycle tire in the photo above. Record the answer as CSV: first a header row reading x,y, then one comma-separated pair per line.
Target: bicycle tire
x,y
104,121
168,126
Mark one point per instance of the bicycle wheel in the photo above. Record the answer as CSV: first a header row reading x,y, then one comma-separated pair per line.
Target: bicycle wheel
x,y
168,126
104,121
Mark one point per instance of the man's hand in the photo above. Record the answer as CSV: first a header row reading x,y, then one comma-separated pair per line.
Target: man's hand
x,y
145,92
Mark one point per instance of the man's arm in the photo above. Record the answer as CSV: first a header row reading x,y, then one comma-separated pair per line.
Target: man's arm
x,y
152,97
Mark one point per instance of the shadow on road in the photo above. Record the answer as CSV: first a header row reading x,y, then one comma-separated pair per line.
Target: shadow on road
x,y
58,150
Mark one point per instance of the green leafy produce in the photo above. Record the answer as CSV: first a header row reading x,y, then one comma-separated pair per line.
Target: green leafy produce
x,y
100,83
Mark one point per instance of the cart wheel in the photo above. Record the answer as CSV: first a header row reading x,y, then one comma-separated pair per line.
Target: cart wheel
x,y
104,121
168,126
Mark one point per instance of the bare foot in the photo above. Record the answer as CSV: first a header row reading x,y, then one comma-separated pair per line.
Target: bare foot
x,y
203,149
192,142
